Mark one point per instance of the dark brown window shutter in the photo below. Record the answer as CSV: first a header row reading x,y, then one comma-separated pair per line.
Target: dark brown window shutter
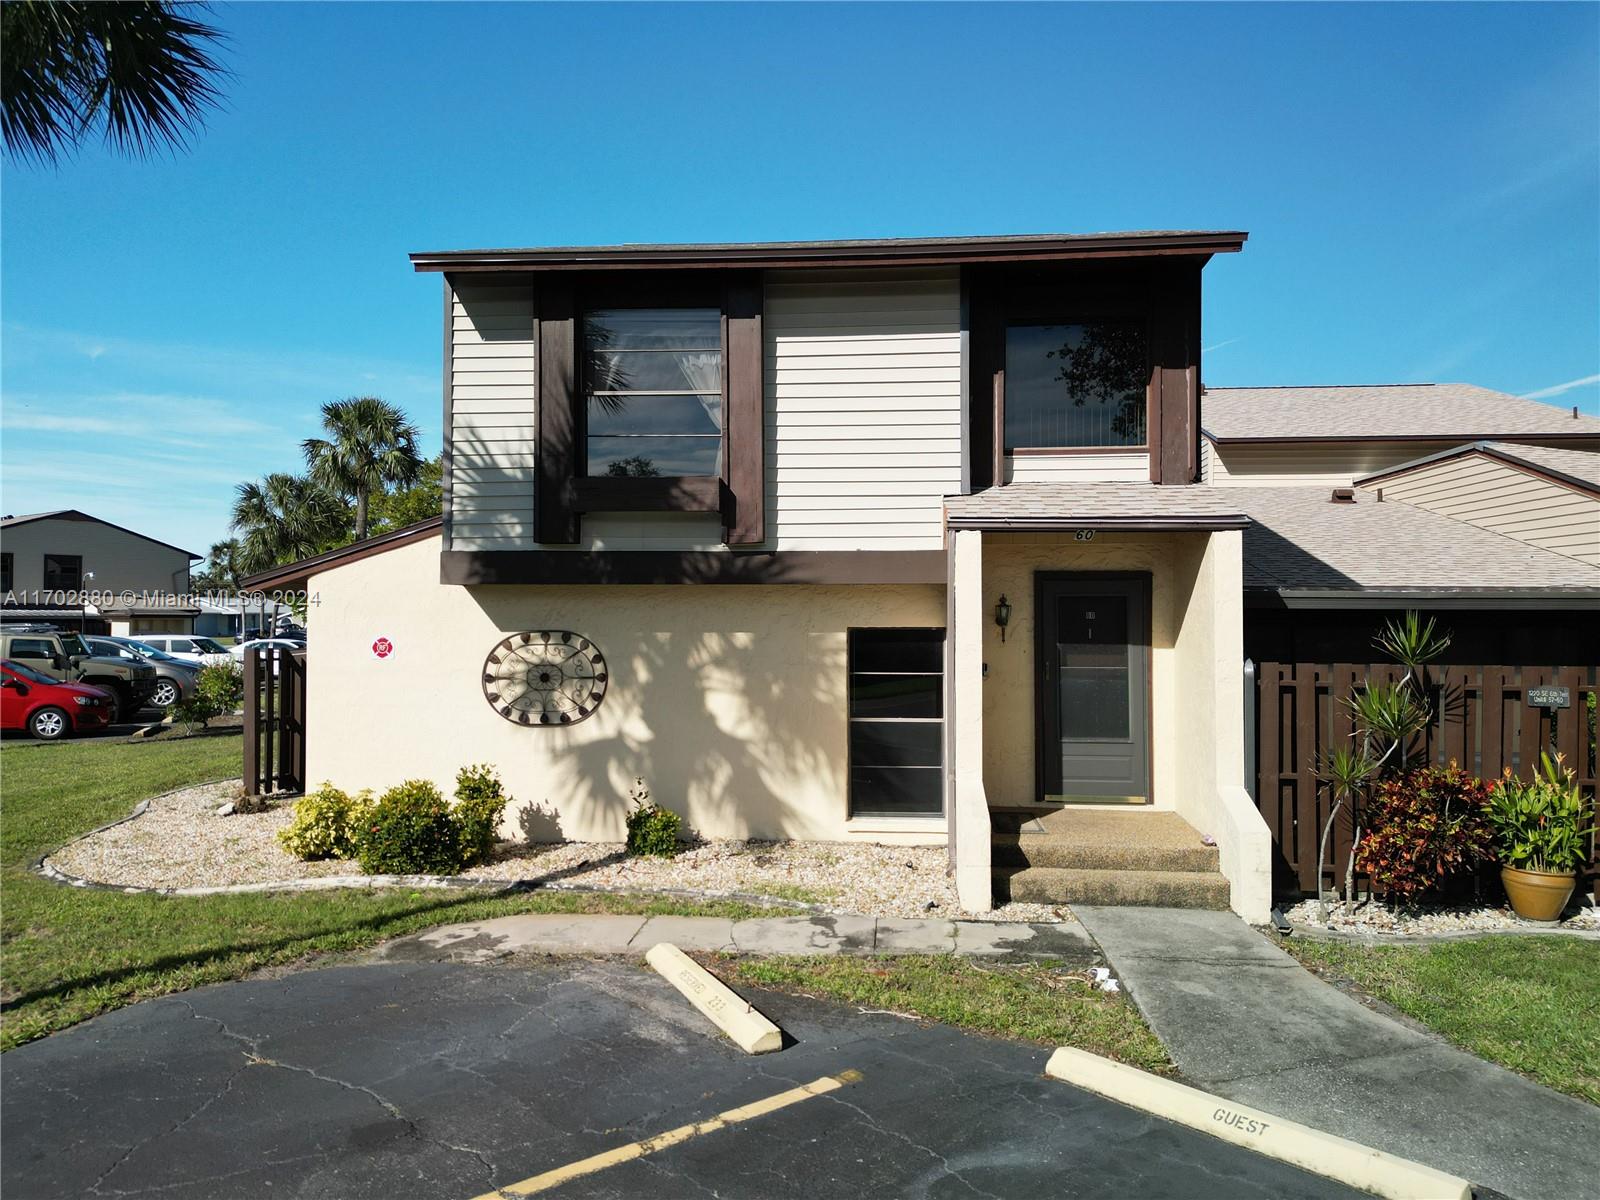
x,y
744,469
557,409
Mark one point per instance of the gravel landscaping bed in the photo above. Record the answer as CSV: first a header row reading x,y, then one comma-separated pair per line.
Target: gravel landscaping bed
x,y
1375,917
180,842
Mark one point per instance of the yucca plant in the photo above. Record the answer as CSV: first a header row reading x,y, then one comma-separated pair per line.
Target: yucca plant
x,y
1386,716
1345,770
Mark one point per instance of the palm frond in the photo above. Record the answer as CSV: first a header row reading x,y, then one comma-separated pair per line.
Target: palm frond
x,y
140,71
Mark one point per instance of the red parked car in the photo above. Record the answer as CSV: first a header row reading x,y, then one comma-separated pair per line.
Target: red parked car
x,y
48,708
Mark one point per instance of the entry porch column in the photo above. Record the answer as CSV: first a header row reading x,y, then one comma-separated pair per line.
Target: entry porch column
x,y
965,802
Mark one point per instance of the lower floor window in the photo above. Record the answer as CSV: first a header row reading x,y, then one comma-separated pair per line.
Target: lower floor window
x,y
896,722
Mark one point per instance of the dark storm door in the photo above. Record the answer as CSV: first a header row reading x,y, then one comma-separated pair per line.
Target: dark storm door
x,y
1093,681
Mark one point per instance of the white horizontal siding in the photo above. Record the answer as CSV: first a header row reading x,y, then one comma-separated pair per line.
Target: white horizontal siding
x,y
650,531
1494,495
492,432
1309,464
863,408
1133,467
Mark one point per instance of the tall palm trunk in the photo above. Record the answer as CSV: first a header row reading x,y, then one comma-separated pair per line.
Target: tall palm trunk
x,y
362,492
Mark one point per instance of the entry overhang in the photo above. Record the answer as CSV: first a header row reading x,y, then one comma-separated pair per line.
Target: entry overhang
x,y
1066,507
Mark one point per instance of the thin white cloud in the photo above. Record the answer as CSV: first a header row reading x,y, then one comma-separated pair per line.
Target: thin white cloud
x,y
1220,345
174,420
310,376
52,423
1561,388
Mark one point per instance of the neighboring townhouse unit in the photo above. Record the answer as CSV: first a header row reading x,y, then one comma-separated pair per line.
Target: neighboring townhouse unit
x,y
1330,436
1545,496
80,571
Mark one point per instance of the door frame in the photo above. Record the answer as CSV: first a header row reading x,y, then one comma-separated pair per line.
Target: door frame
x,y
1043,737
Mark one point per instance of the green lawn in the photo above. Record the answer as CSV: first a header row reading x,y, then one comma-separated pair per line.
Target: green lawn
x,y
1035,1003
1531,1004
67,954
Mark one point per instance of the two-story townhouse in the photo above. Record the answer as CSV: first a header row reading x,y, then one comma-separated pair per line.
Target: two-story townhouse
x,y
80,571
891,540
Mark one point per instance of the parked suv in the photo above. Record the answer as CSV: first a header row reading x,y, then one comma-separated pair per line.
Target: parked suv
x,y
64,655
174,677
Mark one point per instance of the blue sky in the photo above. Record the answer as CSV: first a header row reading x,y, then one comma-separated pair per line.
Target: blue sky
x,y
1421,185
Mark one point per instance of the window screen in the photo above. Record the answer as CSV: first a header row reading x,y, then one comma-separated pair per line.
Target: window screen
x,y
896,722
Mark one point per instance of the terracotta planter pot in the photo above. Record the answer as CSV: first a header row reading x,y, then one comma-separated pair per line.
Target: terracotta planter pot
x,y
1538,895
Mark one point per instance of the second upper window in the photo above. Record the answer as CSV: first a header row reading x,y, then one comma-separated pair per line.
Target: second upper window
x,y
1079,386
653,391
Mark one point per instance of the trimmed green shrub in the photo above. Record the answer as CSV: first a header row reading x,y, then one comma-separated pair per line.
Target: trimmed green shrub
x,y
410,831
326,824
652,830
480,798
218,691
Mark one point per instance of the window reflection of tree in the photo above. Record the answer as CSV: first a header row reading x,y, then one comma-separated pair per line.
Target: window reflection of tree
x,y
635,466
605,374
1108,365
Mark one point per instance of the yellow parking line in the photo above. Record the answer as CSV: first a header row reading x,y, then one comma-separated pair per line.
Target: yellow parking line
x,y
672,1137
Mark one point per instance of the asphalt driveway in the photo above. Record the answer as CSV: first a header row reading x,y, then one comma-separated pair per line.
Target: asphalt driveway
x,y
450,1080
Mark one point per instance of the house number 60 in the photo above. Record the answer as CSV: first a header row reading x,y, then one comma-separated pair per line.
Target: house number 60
x,y
1084,535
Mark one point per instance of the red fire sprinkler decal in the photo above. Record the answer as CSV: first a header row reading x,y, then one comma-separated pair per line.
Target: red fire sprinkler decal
x,y
382,648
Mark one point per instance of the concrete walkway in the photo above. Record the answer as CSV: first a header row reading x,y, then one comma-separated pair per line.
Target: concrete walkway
x,y
537,933
1244,1020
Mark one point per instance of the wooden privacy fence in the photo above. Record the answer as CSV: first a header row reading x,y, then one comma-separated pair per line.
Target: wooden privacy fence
x,y
274,721
1484,723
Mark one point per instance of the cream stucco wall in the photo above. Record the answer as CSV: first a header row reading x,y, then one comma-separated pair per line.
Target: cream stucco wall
x,y
729,701
1209,740
1009,563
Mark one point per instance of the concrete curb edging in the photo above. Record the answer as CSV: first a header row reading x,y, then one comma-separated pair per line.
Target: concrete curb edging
x,y
736,1017
1352,937
1310,1149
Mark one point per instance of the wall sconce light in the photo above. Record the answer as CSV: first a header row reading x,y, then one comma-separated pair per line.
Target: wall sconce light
x,y
1002,615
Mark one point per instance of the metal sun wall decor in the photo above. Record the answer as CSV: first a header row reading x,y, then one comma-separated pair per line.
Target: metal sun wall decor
x,y
545,677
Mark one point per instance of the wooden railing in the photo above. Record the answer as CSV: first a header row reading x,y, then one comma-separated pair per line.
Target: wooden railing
x,y
1485,723
274,721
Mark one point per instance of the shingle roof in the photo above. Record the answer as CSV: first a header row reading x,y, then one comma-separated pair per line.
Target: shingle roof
x,y
1398,410
1579,467
24,518
1299,539
1134,506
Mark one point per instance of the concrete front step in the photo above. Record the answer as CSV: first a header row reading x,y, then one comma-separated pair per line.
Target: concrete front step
x,y
1050,850
1073,885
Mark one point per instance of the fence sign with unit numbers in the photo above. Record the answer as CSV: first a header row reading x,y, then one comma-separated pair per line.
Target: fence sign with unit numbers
x,y
1550,697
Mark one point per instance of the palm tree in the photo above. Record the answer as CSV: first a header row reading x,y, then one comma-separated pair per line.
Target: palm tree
x,y
138,70
221,571
370,444
283,518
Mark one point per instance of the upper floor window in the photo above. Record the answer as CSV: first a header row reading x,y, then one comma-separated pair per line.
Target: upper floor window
x,y
5,571
653,391
63,572
1078,386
